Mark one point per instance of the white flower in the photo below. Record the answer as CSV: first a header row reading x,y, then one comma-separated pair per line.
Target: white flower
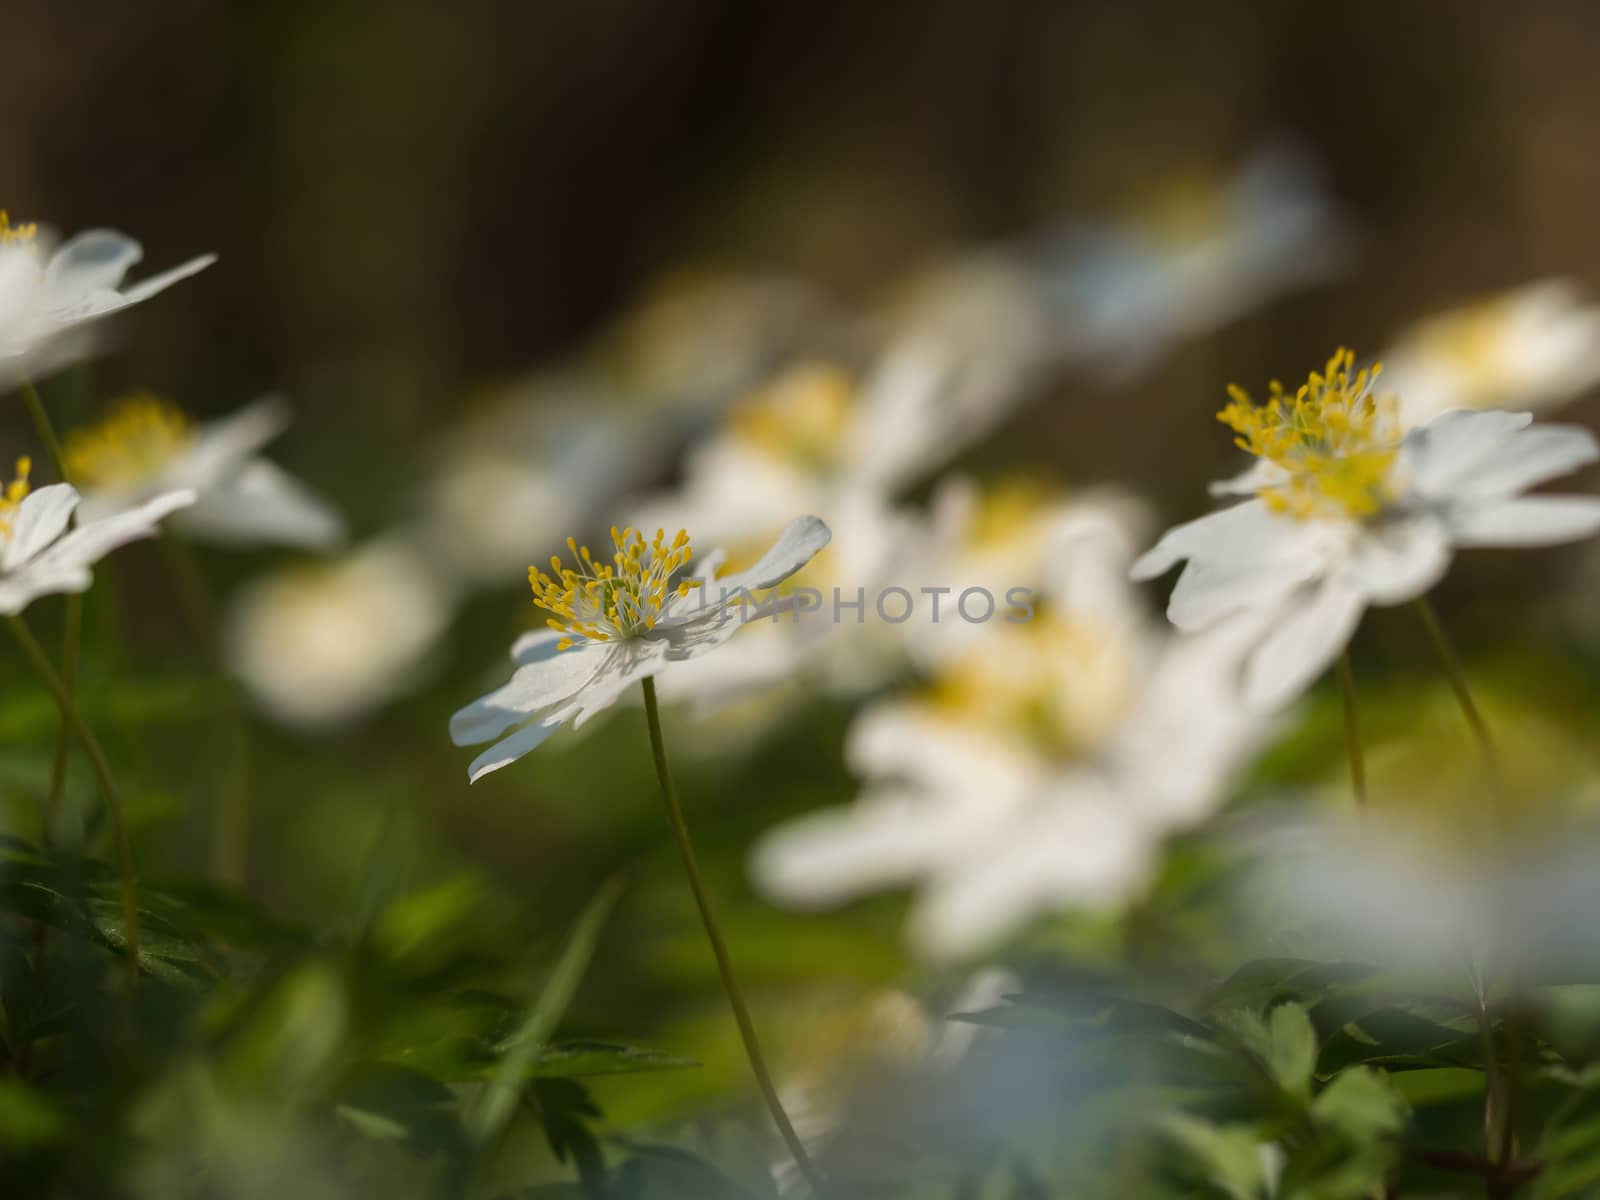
x,y
1348,513
539,460
1036,770
147,446
44,293
324,643
615,624
1213,254
1533,347
38,557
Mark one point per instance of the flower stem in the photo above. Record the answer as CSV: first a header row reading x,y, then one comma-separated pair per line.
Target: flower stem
x,y
97,760
71,636
46,431
43,425
741,1014
1352,731
1458,683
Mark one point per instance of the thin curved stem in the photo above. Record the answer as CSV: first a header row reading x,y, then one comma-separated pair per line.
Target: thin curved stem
x,y
71,638
97,760
43,425
1352,731
1458,684
741,1014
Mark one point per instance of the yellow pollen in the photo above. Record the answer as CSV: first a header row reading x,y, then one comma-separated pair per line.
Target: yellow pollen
x,y
1058,684
140,436
13,495
1335,440
604,602
16,233
805,415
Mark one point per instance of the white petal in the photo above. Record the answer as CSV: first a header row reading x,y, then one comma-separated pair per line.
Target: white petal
x,y
1400,560
95,260
1303,644
1525,521
1259,474
1077,853
1222,533
1208,591
92,541
263,505
222,447
536,645
1531,457
797,545
40,520
21,588
503,753
1455,445
533,688
831,857
146,288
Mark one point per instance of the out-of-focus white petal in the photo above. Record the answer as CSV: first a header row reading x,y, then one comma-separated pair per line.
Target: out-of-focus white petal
x,y
1392,562
222,447
322,644
1229,532
146,288
1313,628
263,505
1525,521
92,261
1076,851
1452,447
40,520
834,856
1530,457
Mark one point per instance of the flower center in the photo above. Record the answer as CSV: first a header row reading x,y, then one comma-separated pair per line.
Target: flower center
x,y
1473,340
20,234
1060,685
805,416
142,434
617,600
1335,441
13,495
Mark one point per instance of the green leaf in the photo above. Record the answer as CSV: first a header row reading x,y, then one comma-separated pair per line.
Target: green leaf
x,y
1361,1104
499,1099
1283,1042
1229,1156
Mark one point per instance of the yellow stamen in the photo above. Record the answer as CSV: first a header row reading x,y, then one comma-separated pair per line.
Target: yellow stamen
x,y
16,233
1334,439
140,436
612,601
12,495
804,415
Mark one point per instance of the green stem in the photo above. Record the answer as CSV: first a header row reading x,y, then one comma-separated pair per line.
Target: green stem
x,y
43,425
71,636
97,760
741,1014
1458,683
46,430
1352,731
1500,1099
